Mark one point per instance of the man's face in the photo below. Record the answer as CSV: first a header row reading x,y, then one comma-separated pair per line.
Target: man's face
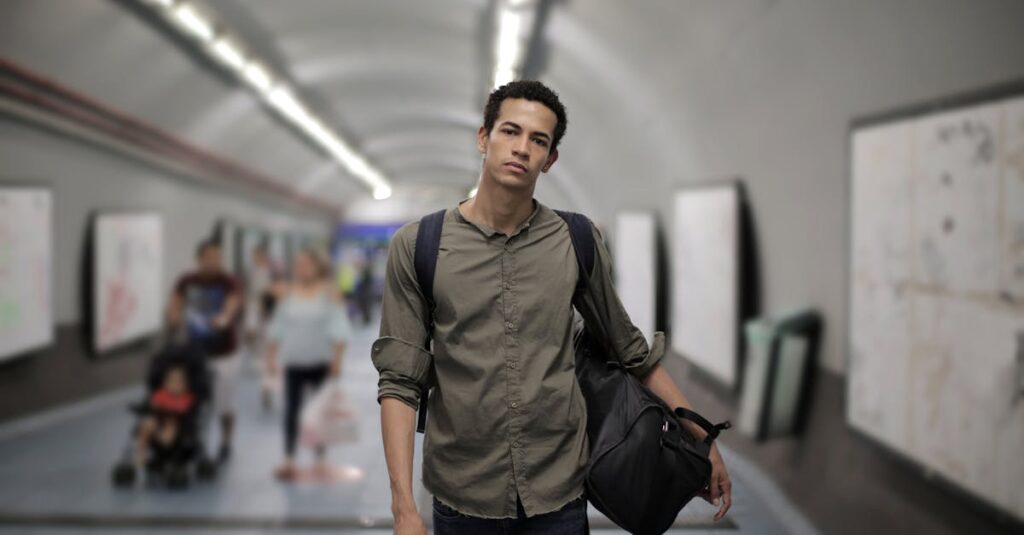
x,y
518,148
210,260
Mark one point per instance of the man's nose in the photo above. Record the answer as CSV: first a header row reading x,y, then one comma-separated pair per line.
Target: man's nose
x,y
521,148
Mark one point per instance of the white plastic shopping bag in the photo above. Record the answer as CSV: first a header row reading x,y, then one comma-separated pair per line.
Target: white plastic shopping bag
x,y
328,418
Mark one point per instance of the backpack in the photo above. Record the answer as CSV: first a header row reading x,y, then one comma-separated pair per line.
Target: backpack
x,y
643,467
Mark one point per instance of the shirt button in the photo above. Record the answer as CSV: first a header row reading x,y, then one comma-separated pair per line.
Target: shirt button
x,y
509,324
512,365
514,404
515,444
508,286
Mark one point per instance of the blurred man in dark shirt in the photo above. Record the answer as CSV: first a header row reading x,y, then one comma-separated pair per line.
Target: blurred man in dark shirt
x,y
205,305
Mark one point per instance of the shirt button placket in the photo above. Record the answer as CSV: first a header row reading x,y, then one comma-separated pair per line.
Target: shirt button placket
x,y
512,352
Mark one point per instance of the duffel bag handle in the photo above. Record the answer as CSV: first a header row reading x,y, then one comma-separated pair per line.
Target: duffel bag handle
x,y
712,429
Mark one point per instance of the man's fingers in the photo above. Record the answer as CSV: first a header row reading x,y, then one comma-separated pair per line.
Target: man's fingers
x,y
726,499
714,490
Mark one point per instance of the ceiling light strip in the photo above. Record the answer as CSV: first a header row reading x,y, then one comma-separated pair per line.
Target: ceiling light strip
x,y
515,20
192,20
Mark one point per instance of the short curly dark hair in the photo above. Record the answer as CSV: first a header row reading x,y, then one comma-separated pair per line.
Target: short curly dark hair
x,y
529,90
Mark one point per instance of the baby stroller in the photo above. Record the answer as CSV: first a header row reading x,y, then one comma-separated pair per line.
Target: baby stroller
x,y
172,463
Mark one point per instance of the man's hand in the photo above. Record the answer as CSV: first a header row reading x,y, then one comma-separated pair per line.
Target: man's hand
x,y
409,524
659,381
720,485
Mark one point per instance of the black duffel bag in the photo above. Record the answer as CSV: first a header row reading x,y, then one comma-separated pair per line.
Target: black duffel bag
x,y
644,466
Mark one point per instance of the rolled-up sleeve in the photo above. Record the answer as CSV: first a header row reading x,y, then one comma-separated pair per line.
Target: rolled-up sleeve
x,y
607,318
399,354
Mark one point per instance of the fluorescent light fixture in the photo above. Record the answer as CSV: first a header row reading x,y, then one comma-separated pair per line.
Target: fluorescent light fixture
x,y
312,126
229,53
323,135
283,99
508,46
508,36
257,76
188,18
285,102
359,166
192,21
503,76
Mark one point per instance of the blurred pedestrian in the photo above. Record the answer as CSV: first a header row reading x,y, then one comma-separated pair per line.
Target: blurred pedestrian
x,y
205,305
305,341
260,277
365,291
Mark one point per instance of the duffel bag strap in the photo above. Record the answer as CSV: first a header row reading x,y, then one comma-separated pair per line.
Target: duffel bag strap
x,y
712,429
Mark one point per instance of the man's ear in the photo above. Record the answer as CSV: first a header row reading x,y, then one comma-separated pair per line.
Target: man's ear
x,y
481,139
552,158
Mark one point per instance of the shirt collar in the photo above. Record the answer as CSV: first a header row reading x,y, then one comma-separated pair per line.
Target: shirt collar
x,y
490,232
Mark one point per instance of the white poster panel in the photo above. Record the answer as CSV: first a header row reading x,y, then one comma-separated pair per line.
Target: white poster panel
x,y
705,304
635,267
128,273
936,315
26,253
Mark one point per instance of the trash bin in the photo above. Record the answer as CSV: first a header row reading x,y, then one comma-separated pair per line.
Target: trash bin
x,y
776,370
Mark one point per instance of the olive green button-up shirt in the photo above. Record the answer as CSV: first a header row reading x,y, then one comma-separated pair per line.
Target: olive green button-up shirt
x,y
506,415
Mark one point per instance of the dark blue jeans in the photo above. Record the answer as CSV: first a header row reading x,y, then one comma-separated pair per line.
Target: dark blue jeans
x,y
569,520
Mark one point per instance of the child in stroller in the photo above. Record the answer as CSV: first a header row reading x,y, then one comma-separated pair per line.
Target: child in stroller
x,y
166,440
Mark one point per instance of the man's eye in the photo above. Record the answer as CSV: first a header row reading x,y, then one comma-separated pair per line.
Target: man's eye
x,y
509,131
541,142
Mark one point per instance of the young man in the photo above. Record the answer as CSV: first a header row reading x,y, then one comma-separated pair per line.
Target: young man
x,y
505,445
205,304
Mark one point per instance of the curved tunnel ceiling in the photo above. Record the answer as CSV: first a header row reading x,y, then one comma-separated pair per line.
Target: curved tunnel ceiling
x,y
404,81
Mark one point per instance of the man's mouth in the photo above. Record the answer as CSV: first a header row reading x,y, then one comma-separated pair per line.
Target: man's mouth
x,y
516,166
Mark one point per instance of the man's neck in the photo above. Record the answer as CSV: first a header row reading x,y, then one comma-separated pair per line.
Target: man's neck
x,y
499,208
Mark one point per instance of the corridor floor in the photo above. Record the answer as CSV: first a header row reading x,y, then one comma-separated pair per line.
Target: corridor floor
x,y
55,477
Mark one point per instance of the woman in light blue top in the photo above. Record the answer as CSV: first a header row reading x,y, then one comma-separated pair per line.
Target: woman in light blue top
x,y
306,338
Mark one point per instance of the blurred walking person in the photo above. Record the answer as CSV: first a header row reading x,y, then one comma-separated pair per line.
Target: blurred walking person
x,y
305,341
260,278
365,291
205,305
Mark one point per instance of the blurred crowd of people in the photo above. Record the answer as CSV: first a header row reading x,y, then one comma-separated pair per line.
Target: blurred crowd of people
x,y
292,322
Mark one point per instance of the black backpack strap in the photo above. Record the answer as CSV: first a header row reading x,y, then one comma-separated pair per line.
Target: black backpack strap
x,y
428,240
582,234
